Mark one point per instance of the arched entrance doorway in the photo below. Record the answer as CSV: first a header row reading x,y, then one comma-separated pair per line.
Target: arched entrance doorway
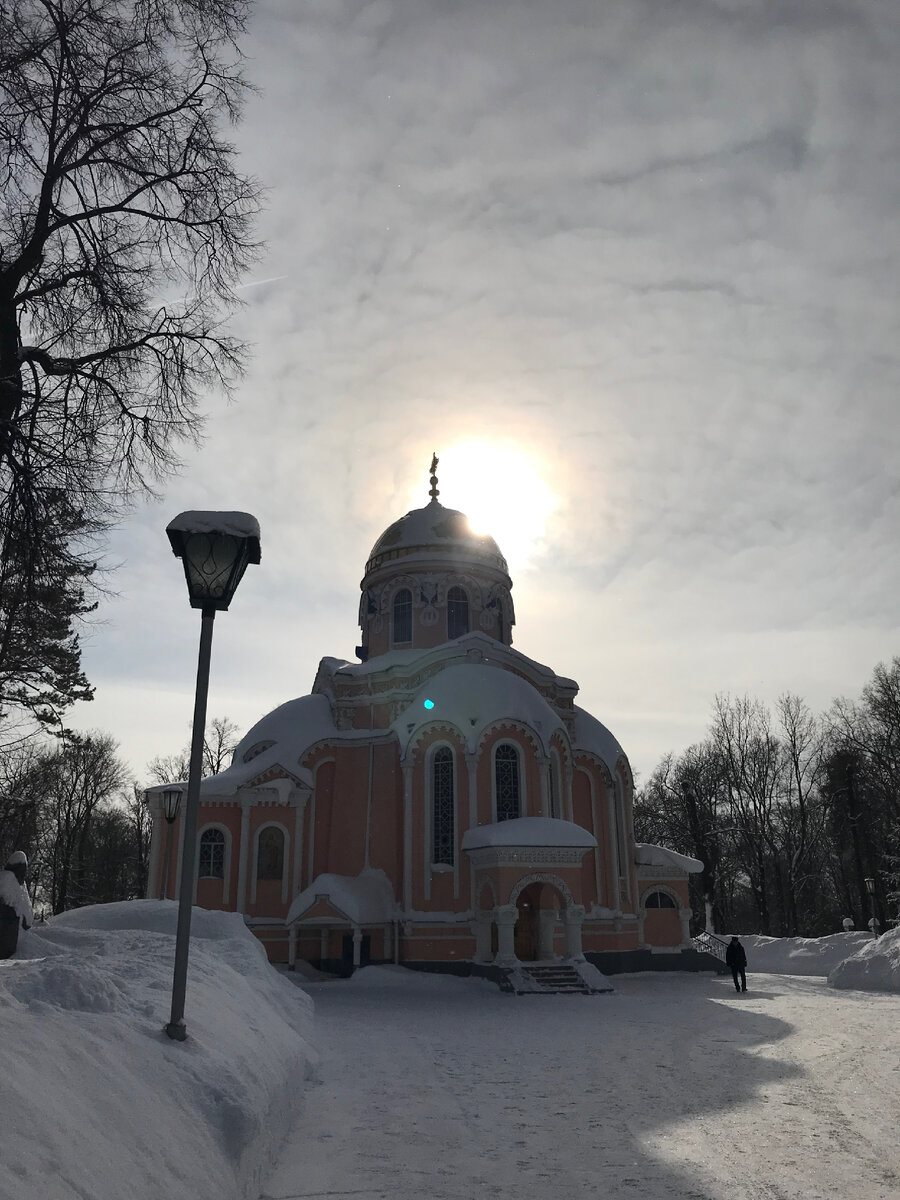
x,y
538,907
528,905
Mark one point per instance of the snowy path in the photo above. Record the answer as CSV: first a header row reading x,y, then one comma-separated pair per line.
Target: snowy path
x,y
672,1087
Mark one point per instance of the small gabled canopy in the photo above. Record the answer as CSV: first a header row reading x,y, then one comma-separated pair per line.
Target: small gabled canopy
x,y
529,831
363,899
647,855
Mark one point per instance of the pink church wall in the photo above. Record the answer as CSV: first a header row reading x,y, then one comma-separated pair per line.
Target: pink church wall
x,y
662,927
319,821
386,833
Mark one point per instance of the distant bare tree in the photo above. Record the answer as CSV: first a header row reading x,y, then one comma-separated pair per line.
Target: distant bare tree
x,y
219,744
81,778
801,814
683,805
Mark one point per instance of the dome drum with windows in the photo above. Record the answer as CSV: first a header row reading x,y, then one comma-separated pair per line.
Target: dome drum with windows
x,y
443,801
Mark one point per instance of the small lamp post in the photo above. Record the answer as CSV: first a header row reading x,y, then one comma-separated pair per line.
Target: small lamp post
x,y
870,888
215,549
171,799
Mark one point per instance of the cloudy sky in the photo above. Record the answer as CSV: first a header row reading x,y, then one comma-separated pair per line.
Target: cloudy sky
x,y
630,265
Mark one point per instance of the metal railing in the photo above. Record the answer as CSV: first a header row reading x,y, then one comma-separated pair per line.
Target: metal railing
x,y
711,944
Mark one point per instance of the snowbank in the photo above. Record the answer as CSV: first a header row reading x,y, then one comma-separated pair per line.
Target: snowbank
x,y
99,1102
875,967
800,956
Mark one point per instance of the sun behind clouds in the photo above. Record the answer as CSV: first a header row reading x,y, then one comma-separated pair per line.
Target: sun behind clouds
x,y
502,491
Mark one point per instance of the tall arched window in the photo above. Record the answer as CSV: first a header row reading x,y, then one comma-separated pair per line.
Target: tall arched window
x,y
619,811
659,900
556,805
506,782
401,624
442,815
457,613
270,854
212,854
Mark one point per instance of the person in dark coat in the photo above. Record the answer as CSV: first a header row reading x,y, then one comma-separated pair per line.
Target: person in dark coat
x,y
736,958
15,907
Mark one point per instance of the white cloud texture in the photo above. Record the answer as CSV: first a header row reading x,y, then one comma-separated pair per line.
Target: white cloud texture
x,y
652,245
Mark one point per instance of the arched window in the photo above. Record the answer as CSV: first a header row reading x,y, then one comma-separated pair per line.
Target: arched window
x,y
401,624
659,900
506,782
212,854
442,815
556,806
270,854
457,613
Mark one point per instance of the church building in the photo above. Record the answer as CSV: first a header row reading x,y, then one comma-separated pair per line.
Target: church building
x,y
442,803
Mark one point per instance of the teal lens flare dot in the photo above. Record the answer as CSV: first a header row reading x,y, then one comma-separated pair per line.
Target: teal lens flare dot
x,y
429,704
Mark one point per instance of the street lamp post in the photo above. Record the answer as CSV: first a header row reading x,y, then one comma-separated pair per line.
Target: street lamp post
x,y
171,799
215,549
873,922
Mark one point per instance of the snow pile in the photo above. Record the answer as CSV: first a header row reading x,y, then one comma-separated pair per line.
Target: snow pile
x,y
875,967
99,1102
800,956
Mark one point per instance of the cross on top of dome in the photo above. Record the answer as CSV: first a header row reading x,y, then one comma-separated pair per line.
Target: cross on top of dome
x,y
434,493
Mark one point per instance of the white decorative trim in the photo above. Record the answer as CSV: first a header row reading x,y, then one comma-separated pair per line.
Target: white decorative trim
x,y
243,851
595,821
527,856
595,760
472,781
407,834
439,725
650,872
504,723
554,880
254,862
226,865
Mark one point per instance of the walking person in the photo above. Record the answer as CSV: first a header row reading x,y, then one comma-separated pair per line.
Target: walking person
x,y
15,907
736,958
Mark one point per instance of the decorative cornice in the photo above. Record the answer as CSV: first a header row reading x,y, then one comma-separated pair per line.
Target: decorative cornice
x,y
650,872
527,856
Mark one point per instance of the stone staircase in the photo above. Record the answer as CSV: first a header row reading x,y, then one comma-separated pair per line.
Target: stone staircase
x,y
560,978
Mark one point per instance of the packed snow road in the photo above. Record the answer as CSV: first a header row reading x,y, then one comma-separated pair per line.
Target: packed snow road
x,y
671,1087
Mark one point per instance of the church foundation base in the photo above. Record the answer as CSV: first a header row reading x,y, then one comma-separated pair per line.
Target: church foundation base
x,y
621,962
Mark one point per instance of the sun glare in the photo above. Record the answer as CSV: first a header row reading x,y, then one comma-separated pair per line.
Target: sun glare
x,y
501,491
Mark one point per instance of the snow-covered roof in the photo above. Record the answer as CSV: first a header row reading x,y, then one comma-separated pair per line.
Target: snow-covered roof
x,y
364,899
490,649
435,528
239,524
283,737
528,831
647,855
594,737
472,696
